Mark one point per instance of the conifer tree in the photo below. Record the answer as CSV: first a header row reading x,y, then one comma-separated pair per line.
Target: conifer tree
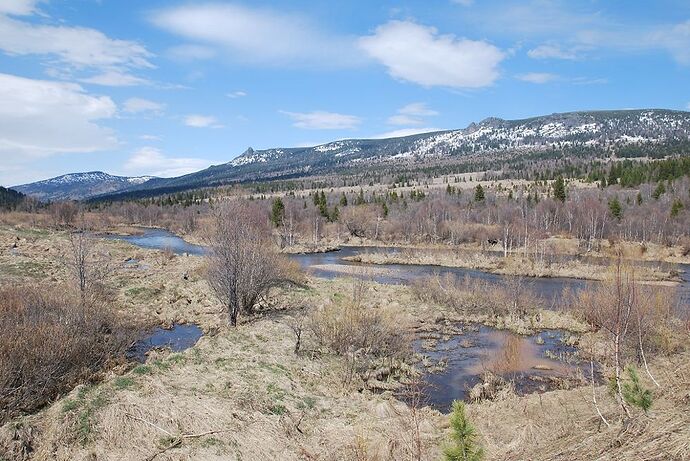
x,y
464,445
633,392
659,191
479,193
615,208
559,189
676,207
277,212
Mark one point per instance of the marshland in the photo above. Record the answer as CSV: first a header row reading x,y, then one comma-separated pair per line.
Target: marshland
x,y
234,323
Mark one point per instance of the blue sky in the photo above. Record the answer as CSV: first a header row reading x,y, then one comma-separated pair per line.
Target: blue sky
x,y
167,87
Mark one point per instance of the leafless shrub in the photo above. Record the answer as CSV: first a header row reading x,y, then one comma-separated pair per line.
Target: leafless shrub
x,y
50,342
166,255
685,245
297,322
509,357
646,311
242,263
88,269
511,296
411,418
370,339
63,213
350,328
634,319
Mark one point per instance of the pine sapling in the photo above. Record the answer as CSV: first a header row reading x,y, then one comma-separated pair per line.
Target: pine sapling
x,y
464,445
634,393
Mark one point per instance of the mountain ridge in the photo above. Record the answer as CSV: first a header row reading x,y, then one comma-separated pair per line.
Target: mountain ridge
x,y
606,130
76,186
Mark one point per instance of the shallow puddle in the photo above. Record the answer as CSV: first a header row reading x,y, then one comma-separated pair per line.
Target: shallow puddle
x,y
533,363
177,339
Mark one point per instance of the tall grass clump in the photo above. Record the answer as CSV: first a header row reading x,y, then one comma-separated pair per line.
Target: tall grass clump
x,y
367,337
512,296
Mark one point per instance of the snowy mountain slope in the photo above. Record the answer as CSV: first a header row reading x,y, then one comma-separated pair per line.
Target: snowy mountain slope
x,y
76,186
593,130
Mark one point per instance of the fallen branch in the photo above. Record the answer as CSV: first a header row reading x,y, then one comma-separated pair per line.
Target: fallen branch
x,y
176,440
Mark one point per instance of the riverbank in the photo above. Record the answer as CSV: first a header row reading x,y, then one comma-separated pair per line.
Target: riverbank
x,y
511,265
547,248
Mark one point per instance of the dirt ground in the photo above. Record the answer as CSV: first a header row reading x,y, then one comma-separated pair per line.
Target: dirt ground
x,y
243,394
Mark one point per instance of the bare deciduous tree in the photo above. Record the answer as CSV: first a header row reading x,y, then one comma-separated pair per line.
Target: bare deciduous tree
x,y
243,265
88,270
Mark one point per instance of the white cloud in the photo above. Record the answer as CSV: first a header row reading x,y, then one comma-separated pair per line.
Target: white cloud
x,y
150,137
588,81
411,114
191,52
202,121
141,105
464,2
419,109
540,18
419,54
236,94
537,77
257,35
151,161
75,49
675,39
114,78
552,52
18,7
405,132
583,27
320,120
40,118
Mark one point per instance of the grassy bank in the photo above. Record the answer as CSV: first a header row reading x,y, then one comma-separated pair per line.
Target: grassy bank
x,y
510,265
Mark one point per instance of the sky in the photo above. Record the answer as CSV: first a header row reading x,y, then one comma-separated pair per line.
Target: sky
x,y
165,88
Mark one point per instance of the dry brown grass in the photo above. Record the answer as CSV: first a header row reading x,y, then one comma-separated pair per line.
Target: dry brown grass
x,y
563,425
49,343
373,341
512,297
516,264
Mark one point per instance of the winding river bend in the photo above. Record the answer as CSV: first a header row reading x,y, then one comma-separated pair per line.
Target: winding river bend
x,y
541,361
332,264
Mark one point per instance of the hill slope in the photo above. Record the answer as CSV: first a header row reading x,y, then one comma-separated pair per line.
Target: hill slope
x,y
77,186
10,199
590,131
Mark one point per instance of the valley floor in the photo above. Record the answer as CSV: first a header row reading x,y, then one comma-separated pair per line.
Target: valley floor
x,y
243,394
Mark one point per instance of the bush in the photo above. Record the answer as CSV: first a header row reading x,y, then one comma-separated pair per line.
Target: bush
x,y
650,322
510,297
50,342
242,263
351,328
